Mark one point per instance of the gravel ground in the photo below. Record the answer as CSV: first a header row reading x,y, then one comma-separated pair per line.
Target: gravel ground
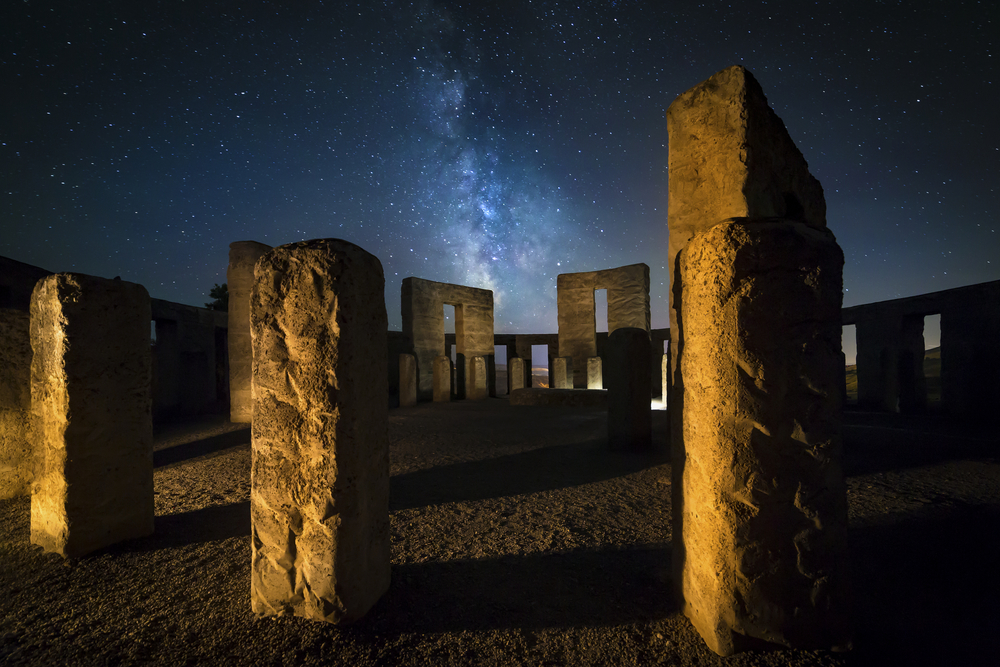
x,y
517,538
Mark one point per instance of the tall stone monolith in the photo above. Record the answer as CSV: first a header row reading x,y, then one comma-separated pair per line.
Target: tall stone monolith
x,y
15,404
763,531
595,373
630,424
441,377
243,255
562,373
478,388
92,413
319,500
407,380
517,373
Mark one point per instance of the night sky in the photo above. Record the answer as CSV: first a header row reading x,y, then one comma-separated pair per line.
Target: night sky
x,y
494,145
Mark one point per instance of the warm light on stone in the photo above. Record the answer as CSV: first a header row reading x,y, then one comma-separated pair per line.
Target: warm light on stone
x,y
319,498
243,255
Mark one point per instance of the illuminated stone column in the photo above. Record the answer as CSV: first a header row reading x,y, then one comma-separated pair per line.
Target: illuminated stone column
x,y
562,373
630,424
319,501
478,387
91,408
762,539
407,380
15,404
595,373
243,255
516,369
442,379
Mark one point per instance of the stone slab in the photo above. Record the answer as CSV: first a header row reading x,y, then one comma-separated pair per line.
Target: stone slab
x,y
562,373
630,422
319,500
407,380
91,413
15,403
760,509
243,256
595,373
442,379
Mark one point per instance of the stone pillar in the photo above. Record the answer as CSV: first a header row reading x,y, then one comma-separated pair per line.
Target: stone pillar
x,y
523,348
630,424
665,377
595,373
516,373
91,411
243,255
562,373
477,388
407,380
910,366
761,541
15,404
319,501
442,379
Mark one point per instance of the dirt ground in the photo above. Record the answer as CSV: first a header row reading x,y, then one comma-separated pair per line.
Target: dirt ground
x,y
517,539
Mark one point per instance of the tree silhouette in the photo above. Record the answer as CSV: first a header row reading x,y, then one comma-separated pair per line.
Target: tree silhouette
x,y
221,295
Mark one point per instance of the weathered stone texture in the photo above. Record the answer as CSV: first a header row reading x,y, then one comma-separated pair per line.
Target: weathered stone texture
x,y
320,474
15,404
628,306
407,380
562,373
595,373
731,157
243,255
518,377
760,503
423,304
478,388
91,413
442,379
630,424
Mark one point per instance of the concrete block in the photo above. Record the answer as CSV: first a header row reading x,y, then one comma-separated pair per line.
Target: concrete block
x,y
319,501
478,387
595,373
15,404
407,380
442,379
91,412
760,528
630,424
562,373
243,255
518,373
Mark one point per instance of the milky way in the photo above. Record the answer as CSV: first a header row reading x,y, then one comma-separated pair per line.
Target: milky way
x,y
492,145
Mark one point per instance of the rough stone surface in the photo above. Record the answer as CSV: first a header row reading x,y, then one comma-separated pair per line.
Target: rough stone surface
x,y
630,424
731,157
15,404
562,373
407,380
664,377
478,387
442,379
423,304
594,398
628,306
760,509
516,373
243,255
319,499
595,373
91,413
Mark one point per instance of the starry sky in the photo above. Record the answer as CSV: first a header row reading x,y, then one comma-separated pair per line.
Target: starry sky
x,y
488,144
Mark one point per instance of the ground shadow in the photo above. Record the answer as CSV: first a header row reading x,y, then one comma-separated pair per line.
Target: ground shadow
x,y
574,589
533,471
883,445
208,524
210,445
925,587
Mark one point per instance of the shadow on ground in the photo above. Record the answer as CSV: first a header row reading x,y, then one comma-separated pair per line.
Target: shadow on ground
x,y
210,445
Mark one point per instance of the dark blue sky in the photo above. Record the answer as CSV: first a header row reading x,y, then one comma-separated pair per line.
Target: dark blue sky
x,y
493,144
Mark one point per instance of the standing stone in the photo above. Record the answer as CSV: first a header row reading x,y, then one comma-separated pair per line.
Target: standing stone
x,y
763,510
407,380
595,373
562,373
15,403
243,255
478,388
442,379
665,377
630,424
91,408
319,500
518,377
